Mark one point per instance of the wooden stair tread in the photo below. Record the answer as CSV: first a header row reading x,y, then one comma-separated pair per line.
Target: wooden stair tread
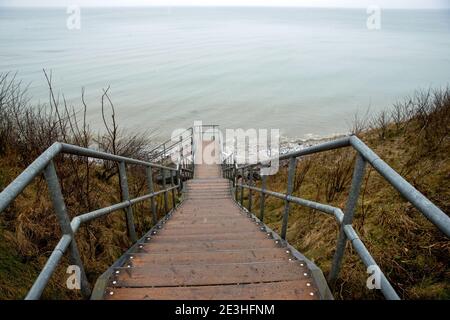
x,y
283,290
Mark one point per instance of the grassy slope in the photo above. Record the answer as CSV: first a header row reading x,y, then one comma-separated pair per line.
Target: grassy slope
x,y
411,252
29,232
409,249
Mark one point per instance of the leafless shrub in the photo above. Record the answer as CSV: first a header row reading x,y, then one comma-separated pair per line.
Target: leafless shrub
x,y
400,114
424,117
27,130
423,107
302,170
436,126
381,123
117,141
428,115
360,122
337,172
13,99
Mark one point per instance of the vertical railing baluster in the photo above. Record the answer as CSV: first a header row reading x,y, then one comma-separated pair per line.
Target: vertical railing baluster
x,y
236,189
192,150
181,150
250,183
126,197
224,168
290,186
233,173
64,221
224,173
242,187
227,165
164,153
151,189
163,177
352,201
172,184
179,181
262,198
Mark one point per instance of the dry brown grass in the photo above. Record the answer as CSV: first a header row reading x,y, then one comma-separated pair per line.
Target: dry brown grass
x,y
413,253
28,228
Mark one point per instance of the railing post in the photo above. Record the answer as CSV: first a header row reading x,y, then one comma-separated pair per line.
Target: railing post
x,y
242,187
151,189
64,221
181,150
235,183
233,174
172,184
225,169
262,198
126,197
352,201
250,183
192,145
290,186
163,177
164,152
179,180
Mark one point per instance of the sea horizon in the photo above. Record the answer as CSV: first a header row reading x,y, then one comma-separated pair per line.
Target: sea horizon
x,y
306,71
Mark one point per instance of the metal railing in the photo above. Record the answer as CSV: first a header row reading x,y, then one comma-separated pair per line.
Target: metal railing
x,y
165,149
45,164
185,141
344,218
211,133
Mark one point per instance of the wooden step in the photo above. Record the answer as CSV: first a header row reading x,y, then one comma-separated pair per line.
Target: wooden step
x,y
210,230
283,290
209,257
212,236
157,245
210,274
189,220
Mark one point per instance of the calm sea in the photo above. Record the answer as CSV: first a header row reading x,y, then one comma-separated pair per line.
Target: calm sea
x,y
304,71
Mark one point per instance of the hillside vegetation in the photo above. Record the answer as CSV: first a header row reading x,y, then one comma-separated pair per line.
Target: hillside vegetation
x,y
413,138
29,229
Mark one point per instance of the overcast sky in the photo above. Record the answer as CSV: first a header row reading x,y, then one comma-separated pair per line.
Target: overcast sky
x,y
310,3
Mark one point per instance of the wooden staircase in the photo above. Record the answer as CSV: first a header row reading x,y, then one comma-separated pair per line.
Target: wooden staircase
x,y
208,250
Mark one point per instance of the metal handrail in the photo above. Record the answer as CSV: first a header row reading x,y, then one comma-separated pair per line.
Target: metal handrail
x,y
45,164
163,153
170,140
347,232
